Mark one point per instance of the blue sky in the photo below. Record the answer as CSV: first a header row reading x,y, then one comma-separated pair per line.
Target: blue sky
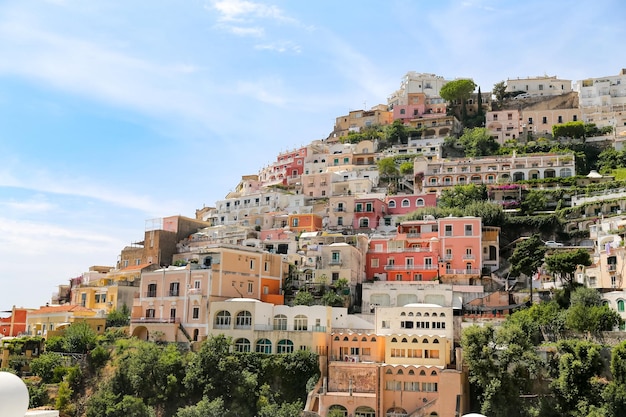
x,y
116,112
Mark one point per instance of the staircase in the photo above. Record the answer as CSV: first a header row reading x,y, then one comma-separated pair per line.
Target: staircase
x,y
419,412
184,331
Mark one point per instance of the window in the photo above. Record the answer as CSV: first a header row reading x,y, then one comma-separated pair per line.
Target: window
x,y
150,313
284,346
560,119
294,222
417,277
263,346
393,385
172,313
429,386
196,313
468,230
385,324
251,263
196,284
530,120
364,222
152,289
368,207
358,207
374,263
335,257
448,230
339,221
250,287
419,202
398,277
392,204
174,287
222,319
244,320
544,120
280,322
242,345
620,306
428,263
398,353
406,203
300,322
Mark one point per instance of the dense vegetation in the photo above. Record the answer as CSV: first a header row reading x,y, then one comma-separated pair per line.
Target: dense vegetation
x,y
543,361
121,377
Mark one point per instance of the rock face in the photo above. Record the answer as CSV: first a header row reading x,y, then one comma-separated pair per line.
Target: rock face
x,y
564,101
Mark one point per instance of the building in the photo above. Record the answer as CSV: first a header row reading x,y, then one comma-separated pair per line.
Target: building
x,y
174,302
603,101
445,249
418,95
369,210
539,86
356,120
405,367
15,324
51,318
446,173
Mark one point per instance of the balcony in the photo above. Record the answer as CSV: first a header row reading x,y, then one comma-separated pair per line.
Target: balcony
x,y
173,293
408,267
462,272
151,294
155,320
469,256
611,267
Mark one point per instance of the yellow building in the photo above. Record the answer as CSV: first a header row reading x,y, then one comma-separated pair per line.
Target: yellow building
x,y
51,318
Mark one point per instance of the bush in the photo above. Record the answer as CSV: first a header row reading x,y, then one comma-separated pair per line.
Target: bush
x,y
98,357
37,393
44,366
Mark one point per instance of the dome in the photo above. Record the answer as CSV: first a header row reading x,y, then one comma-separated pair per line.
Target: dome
x,y
13,395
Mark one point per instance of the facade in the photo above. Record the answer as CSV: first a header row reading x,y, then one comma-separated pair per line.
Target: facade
x,y
368,213
15,324
539,86
51,318
174,302
446,173
603,100
418,94
307,222
404,368
540,122
436,125
356,120
446,249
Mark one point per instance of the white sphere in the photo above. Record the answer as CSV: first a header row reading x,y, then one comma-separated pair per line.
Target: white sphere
x,y
13,395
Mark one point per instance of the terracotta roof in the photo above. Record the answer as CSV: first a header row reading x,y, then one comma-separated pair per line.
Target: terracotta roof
x,y
61,308
135,267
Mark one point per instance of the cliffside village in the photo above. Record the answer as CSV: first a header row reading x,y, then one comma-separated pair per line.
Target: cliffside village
x,y
387,297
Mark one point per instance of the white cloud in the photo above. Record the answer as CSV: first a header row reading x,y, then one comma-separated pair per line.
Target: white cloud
x,y
246,31
281,47
241,10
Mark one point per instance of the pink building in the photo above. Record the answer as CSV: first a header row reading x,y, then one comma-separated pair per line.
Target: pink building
x,y
368,213
448,249
404,204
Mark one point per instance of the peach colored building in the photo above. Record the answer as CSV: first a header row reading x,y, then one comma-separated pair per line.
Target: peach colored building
x,y
355,120
50,318
174,302
406,367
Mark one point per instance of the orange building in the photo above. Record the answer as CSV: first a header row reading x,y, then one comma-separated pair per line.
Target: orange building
x,y
15,324
305,222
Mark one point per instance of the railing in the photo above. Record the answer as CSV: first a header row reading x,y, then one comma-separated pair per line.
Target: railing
x,y
408,267
155,320
151,294
468,256
173,293
462,272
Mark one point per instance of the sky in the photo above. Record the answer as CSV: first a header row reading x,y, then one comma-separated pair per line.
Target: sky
x,y
116,112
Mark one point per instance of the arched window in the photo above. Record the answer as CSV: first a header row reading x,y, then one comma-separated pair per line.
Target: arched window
x,y
373,339
345,339
388,372
222,319
394,340
244,320
263,346
391,204
300,322
620,305
442,314
355,339
422,373
434,373
425,341
284,346
419,202
364,411
414,340
403,314
565,172
280,322
426,315
410,314
338,408
411,372
364,339
400,372
404,340
436,341
242,345
336,338
406,203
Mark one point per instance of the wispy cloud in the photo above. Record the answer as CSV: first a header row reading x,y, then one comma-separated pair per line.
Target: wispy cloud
x,y
243,11
280,47
245,31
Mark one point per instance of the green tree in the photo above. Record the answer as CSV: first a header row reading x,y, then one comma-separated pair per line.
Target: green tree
x,y
502,365
118,318
478,142
45,364
461,196
614,395
534,201
569,130
458,91
303,298
79,337
491,213
387,169
204,408
564,264
397,132
406,168
528,256
499,91
106,404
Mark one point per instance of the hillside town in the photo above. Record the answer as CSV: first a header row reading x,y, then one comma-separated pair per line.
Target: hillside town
x,y
343,247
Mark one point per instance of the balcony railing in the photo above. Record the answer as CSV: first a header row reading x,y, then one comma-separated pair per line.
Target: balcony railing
x,y
469,256
462,272
151,294
408,267
155,320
